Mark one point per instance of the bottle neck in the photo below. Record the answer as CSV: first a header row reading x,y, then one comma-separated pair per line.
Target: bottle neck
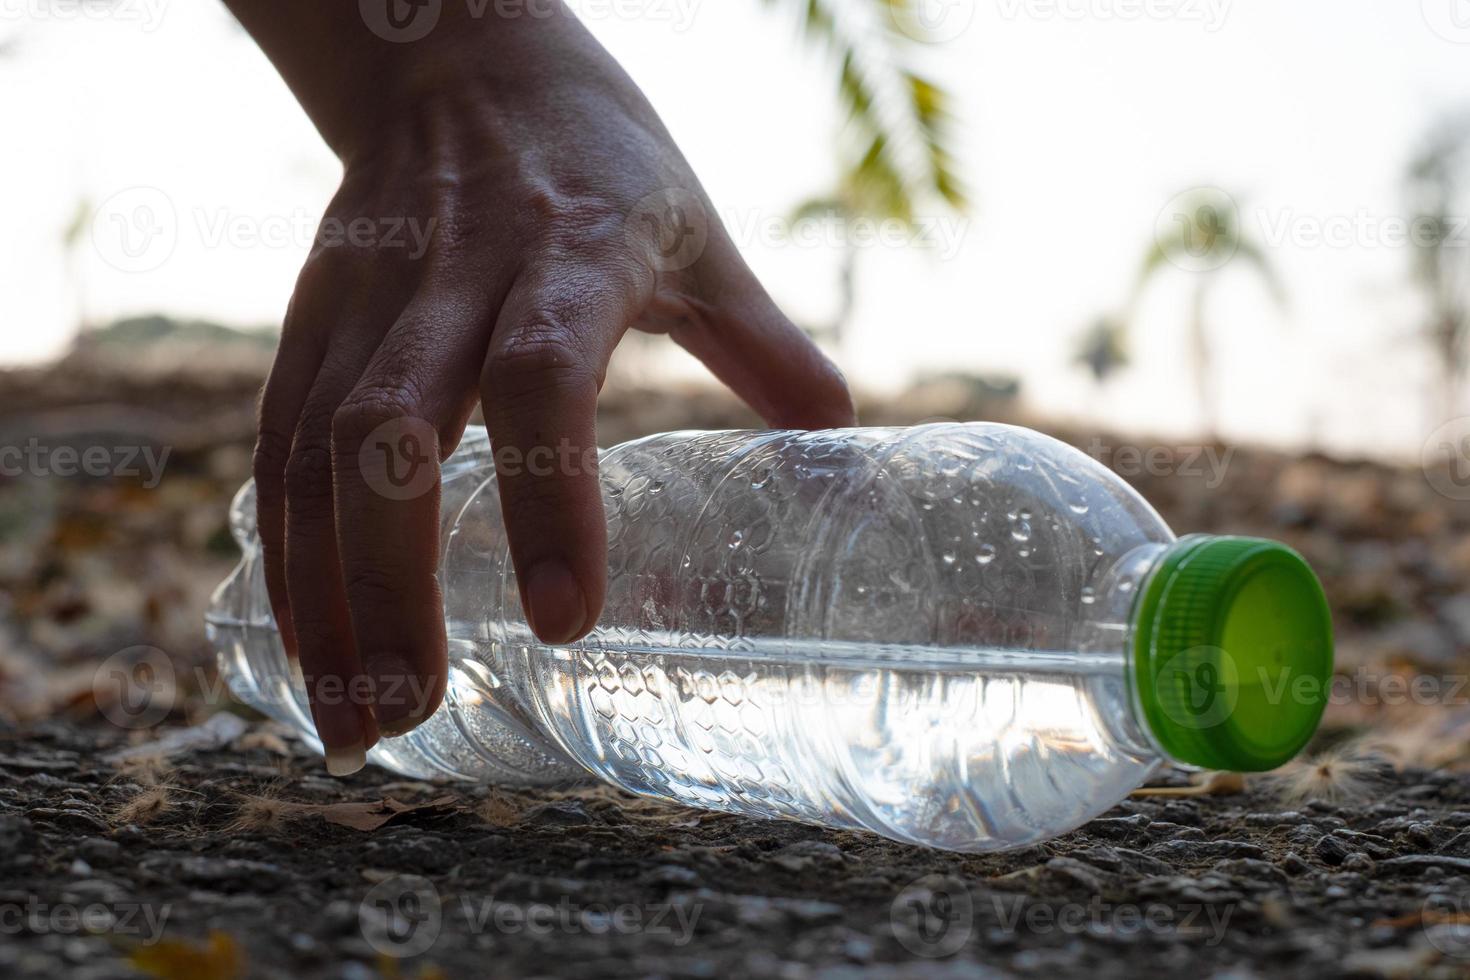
x,y
1108,631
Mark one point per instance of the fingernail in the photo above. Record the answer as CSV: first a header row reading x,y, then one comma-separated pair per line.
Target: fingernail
x,y
397,694
555,603
338,724
346,760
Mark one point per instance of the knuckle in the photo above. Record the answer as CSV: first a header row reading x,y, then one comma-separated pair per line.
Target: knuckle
x,y
374,587
272,450
544,205
541,357
308,480
569,220
323,268
368,408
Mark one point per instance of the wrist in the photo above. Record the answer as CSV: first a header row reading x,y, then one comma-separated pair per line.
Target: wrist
x,y
360,81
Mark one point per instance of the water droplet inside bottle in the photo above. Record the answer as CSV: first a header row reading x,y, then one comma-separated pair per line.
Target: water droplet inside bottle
x,y
1078,506
1022,531
1089,596
986,554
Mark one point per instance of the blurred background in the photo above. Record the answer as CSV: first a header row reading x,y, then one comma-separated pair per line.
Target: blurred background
x,y
1223,247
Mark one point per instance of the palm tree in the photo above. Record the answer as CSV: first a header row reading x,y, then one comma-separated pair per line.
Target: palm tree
x,y
894,154
1204,239
1434,193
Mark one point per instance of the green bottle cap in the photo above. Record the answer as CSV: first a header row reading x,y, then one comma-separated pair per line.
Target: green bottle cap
x,y
1232,652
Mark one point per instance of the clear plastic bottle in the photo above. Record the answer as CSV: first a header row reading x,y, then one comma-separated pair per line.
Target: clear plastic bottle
x,y
968,636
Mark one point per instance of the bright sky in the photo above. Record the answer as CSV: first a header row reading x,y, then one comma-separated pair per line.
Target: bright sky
x,y
1081,120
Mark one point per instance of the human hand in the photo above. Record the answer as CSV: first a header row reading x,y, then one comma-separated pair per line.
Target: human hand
x,y
542,210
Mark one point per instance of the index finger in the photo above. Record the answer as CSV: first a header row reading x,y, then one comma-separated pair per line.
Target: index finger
x,y
413,399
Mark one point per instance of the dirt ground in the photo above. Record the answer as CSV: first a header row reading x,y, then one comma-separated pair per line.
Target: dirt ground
x,y
238,856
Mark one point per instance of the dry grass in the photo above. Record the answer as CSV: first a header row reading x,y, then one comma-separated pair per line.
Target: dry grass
x,y
1345,773
267,814
147,806
156,794
502,809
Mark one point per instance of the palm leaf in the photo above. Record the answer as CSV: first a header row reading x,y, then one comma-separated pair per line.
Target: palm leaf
x,y
1209,234
896,147
1252,255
